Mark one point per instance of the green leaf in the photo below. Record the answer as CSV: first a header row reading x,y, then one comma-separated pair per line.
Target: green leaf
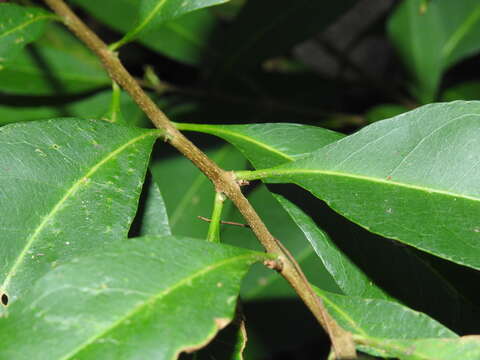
x,y
262,283
349,277
433,40
184,39
267,145
465,348
13,114
189,193
465,91
345,267
68,186
269,28
380,319
265,293
92,107
153,13
57,64
384,111
19,26
410,178
154,216
148,298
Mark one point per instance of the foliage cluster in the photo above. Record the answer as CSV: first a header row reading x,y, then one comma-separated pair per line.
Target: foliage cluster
x,y
103,254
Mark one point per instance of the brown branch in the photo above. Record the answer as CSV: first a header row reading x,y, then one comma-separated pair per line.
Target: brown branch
x,y
223,181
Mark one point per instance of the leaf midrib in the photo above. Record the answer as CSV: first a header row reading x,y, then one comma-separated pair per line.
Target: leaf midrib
x,y
215,131
153,299
58,206
134,32
262,174
26,23
455,39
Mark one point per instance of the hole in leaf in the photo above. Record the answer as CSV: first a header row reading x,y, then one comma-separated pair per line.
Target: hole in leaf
x,y
4,299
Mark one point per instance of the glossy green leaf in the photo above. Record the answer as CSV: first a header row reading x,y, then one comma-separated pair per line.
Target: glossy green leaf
x,y
267,145
410,178
154,213
68,186
153,13
381,319
346,267
148,298
270,28
392,320
189,193
19,26
57,64
351,279
184,39
432,40
465,348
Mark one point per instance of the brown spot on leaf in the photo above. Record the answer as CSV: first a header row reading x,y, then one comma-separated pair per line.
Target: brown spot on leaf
x,y
221,322
4,299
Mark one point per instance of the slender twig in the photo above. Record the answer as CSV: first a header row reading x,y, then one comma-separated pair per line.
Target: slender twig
x,y
223,181
223,222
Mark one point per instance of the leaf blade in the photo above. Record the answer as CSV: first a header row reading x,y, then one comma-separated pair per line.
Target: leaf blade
x,y
432,41
350,248
20,26
57,64
467,347
381,319
184,206
179,268
267,145
392,183
153,13
155,218
184,39
351,279
60,168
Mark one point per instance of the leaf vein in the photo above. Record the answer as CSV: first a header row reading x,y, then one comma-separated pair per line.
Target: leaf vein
x,y
68,194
